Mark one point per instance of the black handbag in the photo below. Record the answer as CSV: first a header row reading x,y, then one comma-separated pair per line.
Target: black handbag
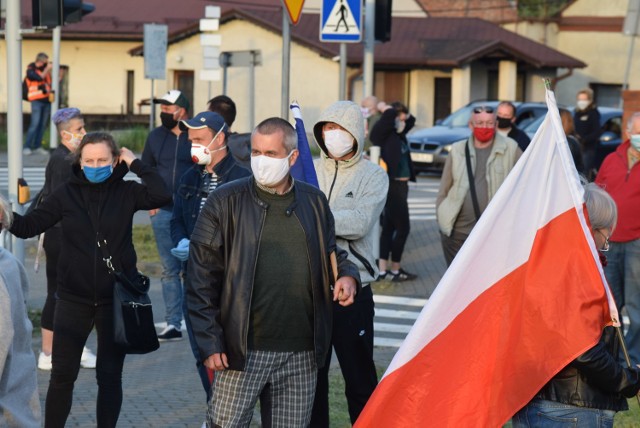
x,y
133,326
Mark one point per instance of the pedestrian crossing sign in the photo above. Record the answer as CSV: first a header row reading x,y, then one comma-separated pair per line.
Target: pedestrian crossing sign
x,y
341,21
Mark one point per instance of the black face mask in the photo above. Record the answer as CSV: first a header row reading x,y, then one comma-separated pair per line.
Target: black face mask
x,y
42,67
168,121
504,123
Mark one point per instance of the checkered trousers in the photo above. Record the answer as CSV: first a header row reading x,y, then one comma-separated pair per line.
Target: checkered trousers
x,y
292,377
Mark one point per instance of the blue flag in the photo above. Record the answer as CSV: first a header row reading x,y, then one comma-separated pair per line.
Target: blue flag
x,y
303,169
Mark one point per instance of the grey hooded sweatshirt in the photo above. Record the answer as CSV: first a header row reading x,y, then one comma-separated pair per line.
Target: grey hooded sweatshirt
x,y
356,189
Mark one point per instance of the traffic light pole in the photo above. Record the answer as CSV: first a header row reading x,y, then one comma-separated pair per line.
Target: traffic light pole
x,y
369,42
13,40
55,84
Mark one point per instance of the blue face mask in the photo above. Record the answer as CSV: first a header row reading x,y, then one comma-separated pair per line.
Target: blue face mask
x,y
99,174
635,141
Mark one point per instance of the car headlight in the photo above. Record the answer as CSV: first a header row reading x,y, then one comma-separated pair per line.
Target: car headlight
x,y
447,148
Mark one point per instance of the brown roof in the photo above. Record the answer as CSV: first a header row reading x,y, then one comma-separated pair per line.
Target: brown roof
x,y
499,11
429,42
415,42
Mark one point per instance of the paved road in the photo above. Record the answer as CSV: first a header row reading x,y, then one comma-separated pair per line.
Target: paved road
x,y
162,389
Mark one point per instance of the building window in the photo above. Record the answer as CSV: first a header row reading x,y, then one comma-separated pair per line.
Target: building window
x,y
183,80
130,86
607,95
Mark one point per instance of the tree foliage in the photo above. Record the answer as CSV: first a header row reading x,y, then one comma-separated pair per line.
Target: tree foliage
x,y
540,9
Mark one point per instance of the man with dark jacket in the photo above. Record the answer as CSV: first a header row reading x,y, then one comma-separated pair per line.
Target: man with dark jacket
x,y
168,150
214,167
586,119
239,144
506,125
261,261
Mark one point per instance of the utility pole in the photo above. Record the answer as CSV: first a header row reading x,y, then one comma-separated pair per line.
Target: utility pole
x,y
369,42
13,40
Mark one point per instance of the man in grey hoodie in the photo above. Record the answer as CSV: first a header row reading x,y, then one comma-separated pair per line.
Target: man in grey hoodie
x,y
357,191
19,402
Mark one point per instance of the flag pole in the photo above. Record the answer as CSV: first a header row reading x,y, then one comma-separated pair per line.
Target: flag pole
x,y
626,353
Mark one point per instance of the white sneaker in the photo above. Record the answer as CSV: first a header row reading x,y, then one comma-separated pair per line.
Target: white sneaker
x,y
26,151
88,359
42,151
44,361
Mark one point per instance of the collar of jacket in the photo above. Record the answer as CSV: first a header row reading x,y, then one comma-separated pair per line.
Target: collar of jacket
x,y
119,171
254,194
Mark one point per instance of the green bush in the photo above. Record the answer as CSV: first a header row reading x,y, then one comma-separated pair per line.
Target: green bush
x,y
133,138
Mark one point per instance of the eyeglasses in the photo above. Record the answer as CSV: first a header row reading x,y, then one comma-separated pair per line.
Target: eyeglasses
x,y
483,109
605,247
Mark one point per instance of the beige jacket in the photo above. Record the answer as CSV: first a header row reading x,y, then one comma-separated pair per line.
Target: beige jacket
x,y
454,183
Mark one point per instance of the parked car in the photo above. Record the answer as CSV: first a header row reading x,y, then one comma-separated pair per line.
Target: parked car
x,y
611,138
430,146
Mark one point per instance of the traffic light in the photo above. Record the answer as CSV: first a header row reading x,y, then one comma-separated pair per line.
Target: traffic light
x,y
74,10
53,13
383,20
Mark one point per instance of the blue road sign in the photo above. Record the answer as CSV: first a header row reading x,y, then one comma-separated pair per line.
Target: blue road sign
x,y
341,21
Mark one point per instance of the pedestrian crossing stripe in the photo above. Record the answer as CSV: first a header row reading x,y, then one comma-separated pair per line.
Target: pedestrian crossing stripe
x,y
341,21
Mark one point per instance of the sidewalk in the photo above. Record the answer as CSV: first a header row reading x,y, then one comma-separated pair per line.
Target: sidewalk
x,y
162,389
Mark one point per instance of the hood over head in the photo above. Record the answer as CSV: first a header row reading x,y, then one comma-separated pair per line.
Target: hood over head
x,y
346,114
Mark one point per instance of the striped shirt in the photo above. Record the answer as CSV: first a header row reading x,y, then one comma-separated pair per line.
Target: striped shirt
x,y
209,183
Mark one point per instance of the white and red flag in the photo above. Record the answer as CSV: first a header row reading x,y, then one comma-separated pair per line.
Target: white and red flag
x,y
524,297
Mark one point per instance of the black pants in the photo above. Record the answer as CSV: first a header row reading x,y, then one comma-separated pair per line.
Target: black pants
x,y
450,247
52,239
395,221
352,339
72,324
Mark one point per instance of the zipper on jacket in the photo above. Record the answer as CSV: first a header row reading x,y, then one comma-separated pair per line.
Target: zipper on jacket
x,y
313,300
175,165
335,175
255,266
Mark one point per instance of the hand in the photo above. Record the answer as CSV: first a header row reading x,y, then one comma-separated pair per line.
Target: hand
x,y
127,156
181,252
217,362
153,212
344,291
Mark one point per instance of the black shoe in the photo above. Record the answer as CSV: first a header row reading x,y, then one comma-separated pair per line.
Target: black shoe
x,y
170,333
402,276
383,276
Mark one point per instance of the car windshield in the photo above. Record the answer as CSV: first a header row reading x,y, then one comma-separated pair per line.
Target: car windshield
x,y
459,118
532,127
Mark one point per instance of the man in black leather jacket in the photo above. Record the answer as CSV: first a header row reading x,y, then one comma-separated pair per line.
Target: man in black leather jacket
x,y
259,285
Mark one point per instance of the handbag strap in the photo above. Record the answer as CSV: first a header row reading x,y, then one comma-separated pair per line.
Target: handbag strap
x,y
100,241
472,183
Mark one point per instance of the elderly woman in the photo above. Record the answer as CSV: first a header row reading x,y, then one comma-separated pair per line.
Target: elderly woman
x,y
19,403
590,390
95,199
70,126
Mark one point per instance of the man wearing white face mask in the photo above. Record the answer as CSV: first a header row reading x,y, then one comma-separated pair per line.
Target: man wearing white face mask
x,y
619,175
214,166
70,126
356,190
258,285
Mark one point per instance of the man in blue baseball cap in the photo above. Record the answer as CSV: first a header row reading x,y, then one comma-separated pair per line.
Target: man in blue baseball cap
x,y
214,165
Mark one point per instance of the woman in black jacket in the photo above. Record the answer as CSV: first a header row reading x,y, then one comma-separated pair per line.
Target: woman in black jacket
x,y
590,390
95,197
587,123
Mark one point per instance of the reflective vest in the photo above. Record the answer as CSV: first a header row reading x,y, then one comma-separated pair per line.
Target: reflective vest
x,y
38,90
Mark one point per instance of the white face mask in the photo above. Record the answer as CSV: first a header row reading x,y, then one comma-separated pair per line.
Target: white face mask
x,y
201,154
75,139
269,171
338,142
635,141
399,126
582,104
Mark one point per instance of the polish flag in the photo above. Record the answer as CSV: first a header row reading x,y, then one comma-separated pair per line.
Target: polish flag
x,y
524,297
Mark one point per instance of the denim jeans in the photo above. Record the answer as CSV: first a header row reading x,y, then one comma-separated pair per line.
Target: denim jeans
x,y
548,414
623,275
171,268
40,111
